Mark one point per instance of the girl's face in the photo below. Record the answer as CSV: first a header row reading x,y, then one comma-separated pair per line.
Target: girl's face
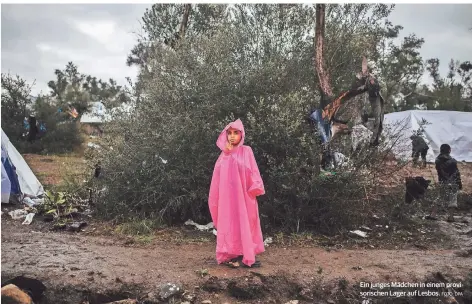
x,y
234,136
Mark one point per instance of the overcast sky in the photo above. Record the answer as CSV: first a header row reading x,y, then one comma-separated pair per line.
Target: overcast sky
x,y
39,38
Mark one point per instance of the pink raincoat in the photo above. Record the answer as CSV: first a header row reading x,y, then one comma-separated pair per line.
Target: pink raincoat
x,y
233,206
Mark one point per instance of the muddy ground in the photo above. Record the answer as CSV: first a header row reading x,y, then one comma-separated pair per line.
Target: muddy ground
x,y
95,265
98,265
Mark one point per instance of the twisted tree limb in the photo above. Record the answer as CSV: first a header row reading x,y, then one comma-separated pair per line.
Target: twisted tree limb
x,y
334,102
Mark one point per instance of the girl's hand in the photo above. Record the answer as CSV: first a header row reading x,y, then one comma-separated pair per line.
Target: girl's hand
x,y
229,146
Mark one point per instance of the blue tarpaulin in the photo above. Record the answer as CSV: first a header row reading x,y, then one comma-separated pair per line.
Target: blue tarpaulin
x,y
323,127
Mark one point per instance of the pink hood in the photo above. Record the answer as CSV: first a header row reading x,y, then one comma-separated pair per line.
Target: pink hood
x,y
223,139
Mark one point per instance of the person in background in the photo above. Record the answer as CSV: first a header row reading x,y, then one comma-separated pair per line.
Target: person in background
x,y
420,147
449,177
33,129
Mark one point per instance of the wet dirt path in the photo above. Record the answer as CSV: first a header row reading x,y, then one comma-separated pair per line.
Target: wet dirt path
x,y
100,263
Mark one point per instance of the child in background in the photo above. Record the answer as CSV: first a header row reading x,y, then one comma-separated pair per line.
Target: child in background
x,y
235,184
449,179
33,129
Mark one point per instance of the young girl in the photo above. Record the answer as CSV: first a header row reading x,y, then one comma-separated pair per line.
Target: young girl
x,y
235,184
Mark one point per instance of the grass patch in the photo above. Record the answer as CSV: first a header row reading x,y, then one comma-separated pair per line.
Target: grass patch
x,y
144,239
57,170
138,227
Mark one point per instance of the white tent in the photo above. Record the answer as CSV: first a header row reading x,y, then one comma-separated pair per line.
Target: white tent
x,y
444,127
22,177
98,113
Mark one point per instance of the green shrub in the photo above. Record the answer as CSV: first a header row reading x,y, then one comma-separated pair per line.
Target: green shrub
x,y
62,135
198,89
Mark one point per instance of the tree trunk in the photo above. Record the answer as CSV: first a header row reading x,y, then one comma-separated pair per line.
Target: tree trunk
x,y
184,23
323,76
333,102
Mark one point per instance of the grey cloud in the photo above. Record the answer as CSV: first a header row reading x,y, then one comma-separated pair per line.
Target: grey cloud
x,y
436,16
26,24
445,28
25,27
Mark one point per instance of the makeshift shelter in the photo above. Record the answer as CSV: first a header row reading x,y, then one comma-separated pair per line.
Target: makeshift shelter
x,y
17,177
443,127
92,120
98,115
